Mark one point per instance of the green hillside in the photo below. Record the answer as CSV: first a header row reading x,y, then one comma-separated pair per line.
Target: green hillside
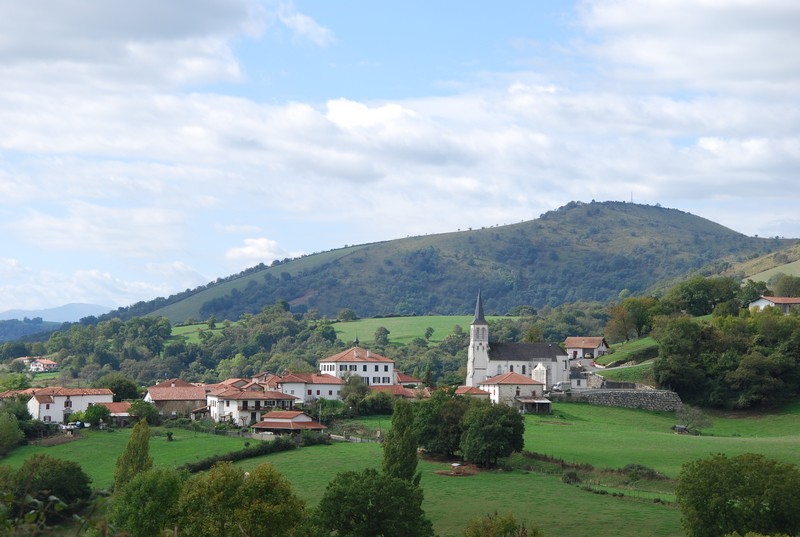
x,y
580,252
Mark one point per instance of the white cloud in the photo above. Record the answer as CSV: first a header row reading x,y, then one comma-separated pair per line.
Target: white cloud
x,y
259,250
304,27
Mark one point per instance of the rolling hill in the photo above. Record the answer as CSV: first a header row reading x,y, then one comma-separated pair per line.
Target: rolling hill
x,y
579,252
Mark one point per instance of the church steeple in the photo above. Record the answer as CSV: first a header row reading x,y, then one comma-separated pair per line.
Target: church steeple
x,y
478,350
479,311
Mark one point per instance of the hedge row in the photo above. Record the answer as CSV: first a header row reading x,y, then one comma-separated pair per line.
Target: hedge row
x,y
281,443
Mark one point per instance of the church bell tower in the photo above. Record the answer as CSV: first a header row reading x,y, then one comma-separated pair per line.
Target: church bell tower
x,y
478,352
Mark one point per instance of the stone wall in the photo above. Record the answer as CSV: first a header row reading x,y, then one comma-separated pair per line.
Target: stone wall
x,y
659,400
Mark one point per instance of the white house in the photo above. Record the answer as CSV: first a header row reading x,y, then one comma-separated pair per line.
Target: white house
x,y
56,404
785,303
40,365
515,389
245,406
308,387
586,347
486,360
376,370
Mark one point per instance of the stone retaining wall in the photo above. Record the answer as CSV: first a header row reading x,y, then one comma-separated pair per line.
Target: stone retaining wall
x,y
659,400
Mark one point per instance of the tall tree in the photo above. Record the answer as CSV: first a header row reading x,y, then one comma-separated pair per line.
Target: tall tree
x,y
400,444
10,433
136,457
491,432
371,504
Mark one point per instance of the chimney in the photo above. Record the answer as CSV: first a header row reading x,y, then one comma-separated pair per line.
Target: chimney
x,y
369,354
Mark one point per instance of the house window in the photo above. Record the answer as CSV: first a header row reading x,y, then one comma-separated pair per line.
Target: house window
x,y
342,368
364,367
47,406
386,368
386,380
317,392
227,404
67,404
511,368
376,380
376,368
291,392
523,369
309,392
353,367
330,392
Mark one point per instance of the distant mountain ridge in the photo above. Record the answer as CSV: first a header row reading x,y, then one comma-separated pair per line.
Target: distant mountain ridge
x,y
579,252
67,313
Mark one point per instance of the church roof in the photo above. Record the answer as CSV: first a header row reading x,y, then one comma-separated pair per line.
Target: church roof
x,y
525,352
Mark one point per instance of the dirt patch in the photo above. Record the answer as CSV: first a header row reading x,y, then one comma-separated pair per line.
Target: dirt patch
x,y
464,470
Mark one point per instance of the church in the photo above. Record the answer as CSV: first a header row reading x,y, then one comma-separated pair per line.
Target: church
x,y
547,363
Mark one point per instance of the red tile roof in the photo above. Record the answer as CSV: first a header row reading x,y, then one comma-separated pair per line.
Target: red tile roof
x,y
470,390
407,379
510,378
72,392
283,414
179,393
289,425
584,342
782,299
357,354
310,378
237,394
117,408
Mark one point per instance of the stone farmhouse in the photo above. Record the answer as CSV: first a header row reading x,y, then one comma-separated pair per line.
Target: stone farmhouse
x,y
175,397
784,303
515,389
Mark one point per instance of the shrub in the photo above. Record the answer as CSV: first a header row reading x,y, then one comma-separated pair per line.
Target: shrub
x,y
282,443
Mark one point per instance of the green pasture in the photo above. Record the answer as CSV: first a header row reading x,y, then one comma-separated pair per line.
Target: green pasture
x,y
626,350
607,438
97,451
190,333
641,373
404,329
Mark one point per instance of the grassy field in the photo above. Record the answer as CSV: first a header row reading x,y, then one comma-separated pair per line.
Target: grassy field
x,y
403,329
627,350
641,373
601,436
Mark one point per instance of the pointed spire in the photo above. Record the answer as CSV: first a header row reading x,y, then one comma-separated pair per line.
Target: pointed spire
x,y
479,309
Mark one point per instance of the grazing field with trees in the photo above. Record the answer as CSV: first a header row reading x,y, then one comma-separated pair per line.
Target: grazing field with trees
x,y
578,434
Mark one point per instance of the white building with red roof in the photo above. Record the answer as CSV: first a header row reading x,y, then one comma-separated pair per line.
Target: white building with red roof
x,y
40,365
309,387
515,389
784,303
586,347
376,370
55,404
244,406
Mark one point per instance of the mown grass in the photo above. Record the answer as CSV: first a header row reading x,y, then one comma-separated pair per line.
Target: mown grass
x,y
402,330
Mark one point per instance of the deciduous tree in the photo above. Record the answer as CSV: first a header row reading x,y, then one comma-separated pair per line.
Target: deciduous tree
x,y
747,493
491,432
371,504
147,504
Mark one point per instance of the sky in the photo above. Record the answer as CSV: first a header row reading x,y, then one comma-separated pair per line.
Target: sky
x,y
150,147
